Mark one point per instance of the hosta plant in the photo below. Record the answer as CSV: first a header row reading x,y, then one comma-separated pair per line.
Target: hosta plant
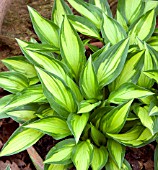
x,y
96,104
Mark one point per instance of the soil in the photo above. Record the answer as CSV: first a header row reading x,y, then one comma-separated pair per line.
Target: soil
x,y
17,25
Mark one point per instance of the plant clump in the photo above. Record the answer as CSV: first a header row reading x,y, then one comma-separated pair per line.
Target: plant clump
x,y
95,105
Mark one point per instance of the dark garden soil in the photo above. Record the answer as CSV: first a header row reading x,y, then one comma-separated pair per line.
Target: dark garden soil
x,y
17,24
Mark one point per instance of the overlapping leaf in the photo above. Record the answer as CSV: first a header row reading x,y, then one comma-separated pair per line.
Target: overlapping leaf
x,y
89,83
53,126
110,63
72,49
100,157
113,121
77,124
60,9
144,28
86,10
114,32
13,82
82,155
128,91
131,71
61,152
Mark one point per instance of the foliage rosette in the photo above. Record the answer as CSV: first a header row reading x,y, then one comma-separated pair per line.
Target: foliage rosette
x,y
95,104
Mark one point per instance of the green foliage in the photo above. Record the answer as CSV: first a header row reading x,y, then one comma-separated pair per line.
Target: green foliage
x,y
95,105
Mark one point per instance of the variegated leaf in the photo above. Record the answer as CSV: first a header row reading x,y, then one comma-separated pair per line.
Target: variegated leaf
x,y
87,106
58,94
3,102
20,140
77,124
116,152
32,94
13,82
46,30
149,5
89,83
153,74
128,91
100,157
21,65
144,28
153,108
136,137
61,152
84,26
60,9
23,113
121,20
53,126
42,48
130,9
104,6
150,63
55,67
148,121
54,167
72,49
111,62
131,71
98,138
112,31
86,9
82,155
113,121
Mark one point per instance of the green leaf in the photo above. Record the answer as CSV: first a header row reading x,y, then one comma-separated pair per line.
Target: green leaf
x,y
23,113
130,9
156,158
46,30
150,4
13,82
8,167
53,126
61,152
146,120
121,20
153,74
113,121
58,94
150,63
87,106
32,94
21,65
137,136
153,108
88,82
100,157
82,155
72,49
42,48
86,9
20,140
128,91
144,28
60,8
110,63
98,138
84,26
131,71
104,6
112,31
55,67
54,167
116,151
77,124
